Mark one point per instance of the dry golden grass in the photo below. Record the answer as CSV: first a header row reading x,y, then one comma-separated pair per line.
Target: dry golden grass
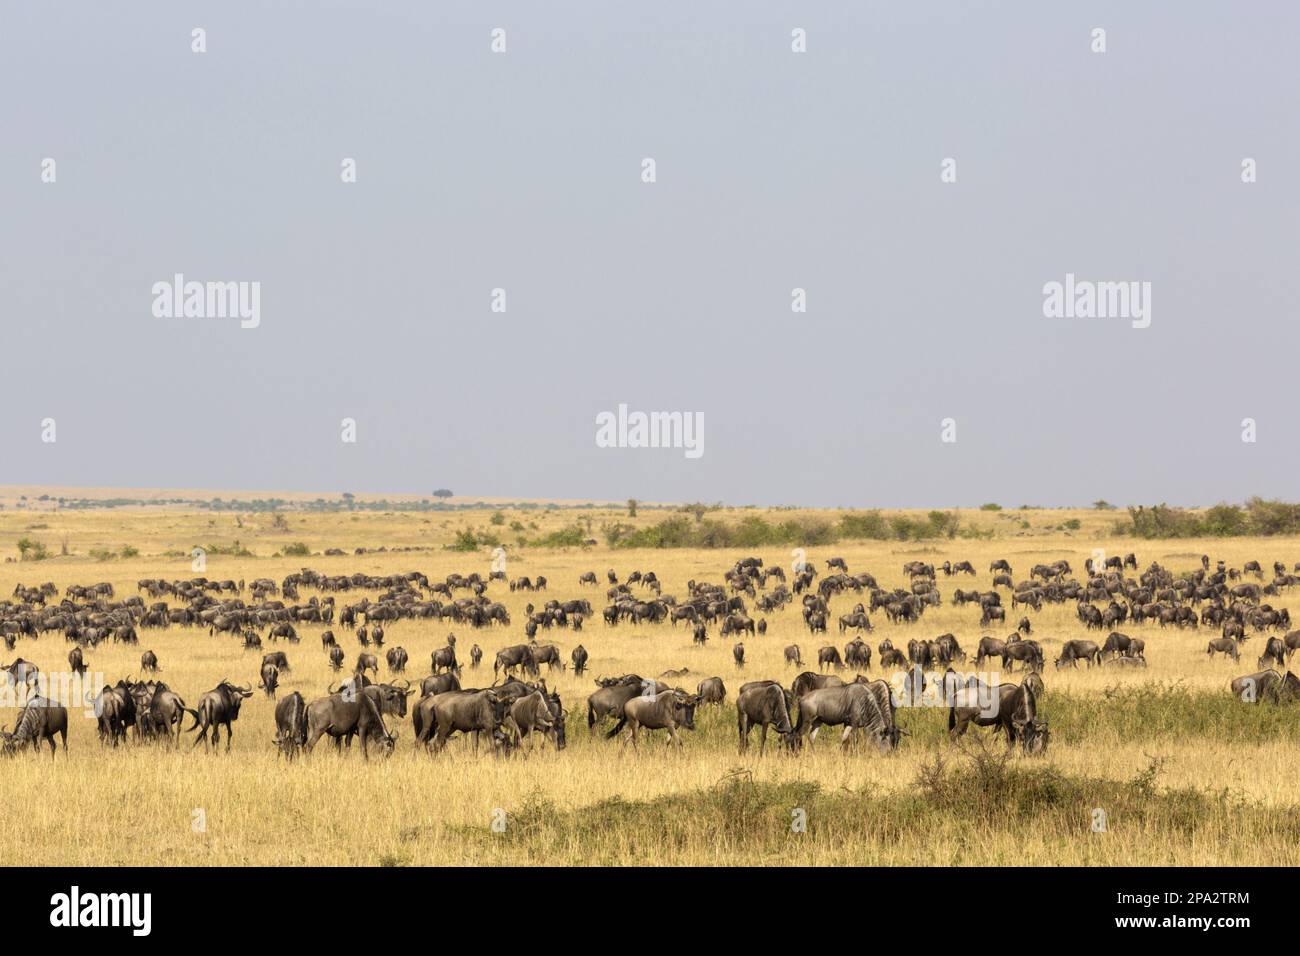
x,y
1224,791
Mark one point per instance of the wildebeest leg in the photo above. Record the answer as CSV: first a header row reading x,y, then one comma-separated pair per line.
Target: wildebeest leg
x,y
53,746
762,739
844,737
230,733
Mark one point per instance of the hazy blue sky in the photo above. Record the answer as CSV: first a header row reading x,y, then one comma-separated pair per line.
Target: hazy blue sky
x,y
775,170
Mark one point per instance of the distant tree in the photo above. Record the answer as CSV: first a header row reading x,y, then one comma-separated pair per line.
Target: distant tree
x,y
1101,504
631,507
442,493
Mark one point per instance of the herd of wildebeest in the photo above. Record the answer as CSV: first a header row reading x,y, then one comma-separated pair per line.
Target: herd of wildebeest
x,y
518,707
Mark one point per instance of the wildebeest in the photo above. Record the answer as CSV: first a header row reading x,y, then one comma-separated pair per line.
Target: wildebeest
x,y
149,661
613,694
21,673
336,657
579,658
866,707
668,711
508,659
279,659
1009,708
765,704
1028,653
1267,685
439,684
1074,651
367,662
530,713
397,659
270,679
1224,645
290,725
829,656
711,690
216,707
76,661
356,710
857,654
792,655
40,720
738,654
473,712
1275,651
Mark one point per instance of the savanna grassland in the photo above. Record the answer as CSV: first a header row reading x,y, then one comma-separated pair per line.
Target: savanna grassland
x,y
1184,773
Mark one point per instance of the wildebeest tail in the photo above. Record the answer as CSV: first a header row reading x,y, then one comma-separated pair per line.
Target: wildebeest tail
x,y
194,714
622,722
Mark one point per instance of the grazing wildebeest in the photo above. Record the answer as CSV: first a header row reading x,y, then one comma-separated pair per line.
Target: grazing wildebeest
x,y
991,614
866,707
1074,651
1224,645
279,659
700,634
527,714
613,694
40,720
711,690
357,710
579,658
764,703
270,679
1261,686
475,656
216,707
327,640
290,725
1028,653
667,711
1009,708
1275,651
1024,627
549,655
738,654
829,656
508,659
397,659
1117,644
149,661
336,657
367,662
793,656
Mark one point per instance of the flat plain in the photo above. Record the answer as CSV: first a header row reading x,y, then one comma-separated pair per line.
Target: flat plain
x,y
1155,765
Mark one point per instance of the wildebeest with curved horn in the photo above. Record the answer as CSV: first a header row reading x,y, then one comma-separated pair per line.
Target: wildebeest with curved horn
x,y
216,707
